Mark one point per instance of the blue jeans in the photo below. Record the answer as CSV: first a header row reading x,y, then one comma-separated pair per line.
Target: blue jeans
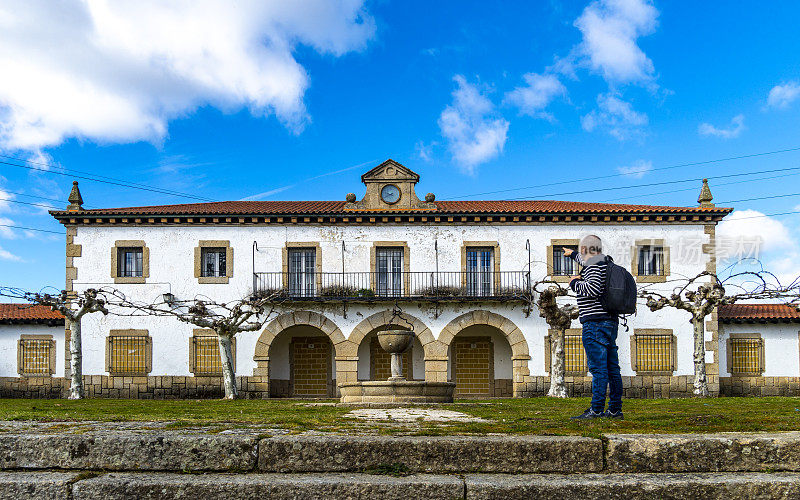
x,y
600,343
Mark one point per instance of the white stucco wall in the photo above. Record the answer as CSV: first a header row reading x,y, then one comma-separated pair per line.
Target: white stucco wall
x,y
172,269
10,334
781,347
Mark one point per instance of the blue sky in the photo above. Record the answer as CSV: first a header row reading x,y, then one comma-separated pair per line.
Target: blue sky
x,y
296,100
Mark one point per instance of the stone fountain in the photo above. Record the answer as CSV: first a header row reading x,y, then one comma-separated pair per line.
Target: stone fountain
x,y
396,389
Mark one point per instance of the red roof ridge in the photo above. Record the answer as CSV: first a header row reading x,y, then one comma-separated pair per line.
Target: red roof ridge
x,y
29,313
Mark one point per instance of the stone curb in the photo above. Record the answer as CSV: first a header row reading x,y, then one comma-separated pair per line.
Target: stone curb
x,y
128,451
39,485
272,486
445,454
726,486
217,486
703,452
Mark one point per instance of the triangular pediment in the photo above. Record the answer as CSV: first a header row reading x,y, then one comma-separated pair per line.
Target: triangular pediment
x,y
390,170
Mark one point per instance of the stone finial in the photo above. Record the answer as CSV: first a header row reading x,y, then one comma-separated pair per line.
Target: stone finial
x,y
75,200
350,198
705,195
430,197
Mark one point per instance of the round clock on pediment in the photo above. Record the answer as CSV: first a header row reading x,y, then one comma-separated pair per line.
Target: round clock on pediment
x,y
390,194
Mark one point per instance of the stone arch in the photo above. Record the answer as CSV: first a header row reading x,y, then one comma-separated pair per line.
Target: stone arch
x,y
383,318
345,352
519,346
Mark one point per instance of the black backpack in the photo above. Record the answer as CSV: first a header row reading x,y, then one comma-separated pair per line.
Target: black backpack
x,y
619,296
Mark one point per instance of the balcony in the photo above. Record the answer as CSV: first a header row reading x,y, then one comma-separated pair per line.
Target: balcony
x,y
376,286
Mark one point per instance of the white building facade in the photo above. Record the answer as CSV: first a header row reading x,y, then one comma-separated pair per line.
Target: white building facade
x,y
459,272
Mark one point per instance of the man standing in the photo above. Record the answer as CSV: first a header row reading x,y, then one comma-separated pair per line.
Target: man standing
x,y
599,329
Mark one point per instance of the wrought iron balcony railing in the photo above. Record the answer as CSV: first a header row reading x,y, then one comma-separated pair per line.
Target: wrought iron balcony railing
x,y
376,286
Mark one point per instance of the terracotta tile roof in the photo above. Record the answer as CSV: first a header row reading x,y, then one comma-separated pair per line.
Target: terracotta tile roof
x,y
731,313
444,207
27,313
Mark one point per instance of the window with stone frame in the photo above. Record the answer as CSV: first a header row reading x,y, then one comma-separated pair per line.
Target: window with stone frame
x,y
574,354
129,352
650,261
204,358
745,354
213,262
561,268
480,271
653,351
36,355
130,262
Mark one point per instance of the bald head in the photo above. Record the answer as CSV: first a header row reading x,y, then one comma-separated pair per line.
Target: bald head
x,y
590,246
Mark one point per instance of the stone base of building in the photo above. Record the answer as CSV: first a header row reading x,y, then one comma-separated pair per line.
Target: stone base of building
x,y
150,387
759,386
634,387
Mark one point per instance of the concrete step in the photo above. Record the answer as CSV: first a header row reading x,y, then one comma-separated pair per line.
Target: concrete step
x,y
216,486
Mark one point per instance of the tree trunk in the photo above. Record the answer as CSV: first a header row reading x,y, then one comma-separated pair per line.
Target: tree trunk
x,y
558,388
75,359
700,380
226,356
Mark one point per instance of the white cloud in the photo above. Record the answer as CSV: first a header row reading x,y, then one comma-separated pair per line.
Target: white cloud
x,y
7,233
744,227
610,31
539,91
780,96
4,197
118,71
6,255
474,133
637,170
734,130
424,151
615,116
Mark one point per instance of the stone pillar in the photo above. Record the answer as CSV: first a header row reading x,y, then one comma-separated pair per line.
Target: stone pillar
x,y
520,373
712,320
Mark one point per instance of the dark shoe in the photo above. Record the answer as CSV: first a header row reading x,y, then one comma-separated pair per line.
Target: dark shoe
x,y
588,414
612,414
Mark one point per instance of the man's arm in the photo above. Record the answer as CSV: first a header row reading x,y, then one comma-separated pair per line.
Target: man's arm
x,y
590,284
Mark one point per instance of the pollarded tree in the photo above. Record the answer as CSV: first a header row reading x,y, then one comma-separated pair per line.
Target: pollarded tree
x,y
226,319
559,318
73,307
700,298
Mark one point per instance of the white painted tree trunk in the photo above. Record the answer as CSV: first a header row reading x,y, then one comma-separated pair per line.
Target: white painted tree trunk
x,y
226,356
75,359
700,379
558,388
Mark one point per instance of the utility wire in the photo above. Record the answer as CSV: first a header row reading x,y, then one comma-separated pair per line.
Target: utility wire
x,y
32,229
51,207
609,176
114,182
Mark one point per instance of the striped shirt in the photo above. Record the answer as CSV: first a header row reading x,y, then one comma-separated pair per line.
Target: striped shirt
x,y
590,286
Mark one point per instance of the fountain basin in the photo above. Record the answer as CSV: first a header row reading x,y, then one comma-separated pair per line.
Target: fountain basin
x,y
396,391
395,341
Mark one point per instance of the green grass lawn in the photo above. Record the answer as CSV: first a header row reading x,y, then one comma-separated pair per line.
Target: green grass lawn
x,y
508,416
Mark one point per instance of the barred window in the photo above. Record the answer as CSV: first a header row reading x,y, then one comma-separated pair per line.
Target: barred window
x,y
130,262
651,260
214,262
129,352
36,355
746,355
563,265
574,355
654,352
204,358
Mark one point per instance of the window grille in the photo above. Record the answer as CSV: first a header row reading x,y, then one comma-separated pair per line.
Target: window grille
x,y
302,272
480,266
651,260
130,262
389,269
213,262
128,354
563,265
745,355
574,355
206,356
35,356
654,353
